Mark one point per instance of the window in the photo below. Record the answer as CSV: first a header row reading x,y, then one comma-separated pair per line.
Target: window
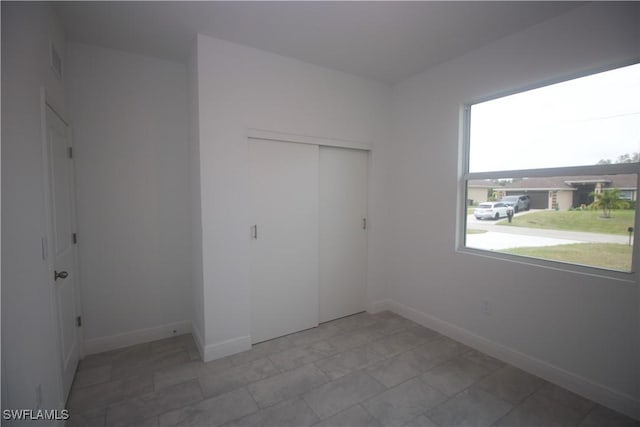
x,y
564,161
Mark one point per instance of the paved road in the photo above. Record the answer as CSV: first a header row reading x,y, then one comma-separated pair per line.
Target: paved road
x,y
504,237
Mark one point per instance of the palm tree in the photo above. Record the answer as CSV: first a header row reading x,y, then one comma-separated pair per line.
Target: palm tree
x,y
608,200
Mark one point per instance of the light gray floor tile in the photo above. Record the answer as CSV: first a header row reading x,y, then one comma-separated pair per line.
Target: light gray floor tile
x,y
133,411
286,385
245,357
178,342
260,350
388,326
221,382
274,345
115,356
542,410
511,384
96,360
564,397
438,351
95,418
404,402
397,343
355,321
420,421
488,362
297,356
149,363
356,416
190,370
357,338
310,336
473,407
99,396
137,385
149,422
290,413
92,376
132,355
605,417
343,363
342,393
396,370
423,332
177,374
212,412
454,375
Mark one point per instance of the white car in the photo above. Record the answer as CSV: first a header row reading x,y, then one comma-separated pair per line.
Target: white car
x,y
491,210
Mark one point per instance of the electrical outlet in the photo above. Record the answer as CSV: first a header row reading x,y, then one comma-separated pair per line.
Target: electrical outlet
x,y
39,396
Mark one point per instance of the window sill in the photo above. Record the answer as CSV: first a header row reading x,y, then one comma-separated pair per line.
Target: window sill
x,y
619,276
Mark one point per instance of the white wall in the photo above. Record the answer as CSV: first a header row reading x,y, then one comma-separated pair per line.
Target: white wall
x,y
130,134
241,88
29,352
576,329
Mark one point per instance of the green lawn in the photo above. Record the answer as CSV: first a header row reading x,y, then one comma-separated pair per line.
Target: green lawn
x,y
587,220
606,255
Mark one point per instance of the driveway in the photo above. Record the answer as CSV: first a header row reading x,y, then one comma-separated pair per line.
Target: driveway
x,y
500,237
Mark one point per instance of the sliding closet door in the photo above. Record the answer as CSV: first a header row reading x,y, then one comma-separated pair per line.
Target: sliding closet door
x,y
343,234
284,238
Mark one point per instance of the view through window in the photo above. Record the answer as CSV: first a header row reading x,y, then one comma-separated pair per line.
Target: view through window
x,y
552,173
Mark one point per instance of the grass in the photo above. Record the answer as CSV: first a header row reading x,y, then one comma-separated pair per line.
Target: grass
x,y
475,231
588,220
611,256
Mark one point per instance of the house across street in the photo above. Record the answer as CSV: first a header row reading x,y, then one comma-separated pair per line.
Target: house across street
x,y
561,192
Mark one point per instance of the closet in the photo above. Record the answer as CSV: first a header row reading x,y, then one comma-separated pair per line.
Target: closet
x,y
308,235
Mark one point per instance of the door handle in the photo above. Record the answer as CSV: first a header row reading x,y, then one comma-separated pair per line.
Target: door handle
x,y
254,232
59,275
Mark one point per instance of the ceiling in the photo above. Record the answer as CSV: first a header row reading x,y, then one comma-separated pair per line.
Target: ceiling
x,y
385,41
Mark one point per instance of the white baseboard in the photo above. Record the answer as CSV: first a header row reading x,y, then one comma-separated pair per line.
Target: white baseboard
x,y
599,393
226,348
199,340
138,336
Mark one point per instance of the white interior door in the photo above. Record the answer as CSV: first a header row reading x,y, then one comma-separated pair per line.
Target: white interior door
x,y
284,233
343,234
62,253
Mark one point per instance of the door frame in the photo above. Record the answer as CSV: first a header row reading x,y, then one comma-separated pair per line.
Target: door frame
x,y
47,103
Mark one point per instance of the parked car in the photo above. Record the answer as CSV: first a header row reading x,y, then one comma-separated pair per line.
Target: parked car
x,y
519,202
491,210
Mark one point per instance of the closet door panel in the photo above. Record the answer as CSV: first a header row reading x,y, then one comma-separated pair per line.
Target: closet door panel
x,y
284,238
343,234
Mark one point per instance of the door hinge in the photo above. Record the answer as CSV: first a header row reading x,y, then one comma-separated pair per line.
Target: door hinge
x,y
74,237
71,152
364,223
79,321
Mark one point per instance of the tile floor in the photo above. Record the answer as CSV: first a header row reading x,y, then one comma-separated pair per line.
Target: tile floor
x,y
362,370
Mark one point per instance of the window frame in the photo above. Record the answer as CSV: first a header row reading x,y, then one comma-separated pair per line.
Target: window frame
x,y
607,169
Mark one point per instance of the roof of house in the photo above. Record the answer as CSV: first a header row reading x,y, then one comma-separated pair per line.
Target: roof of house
x,y
569,183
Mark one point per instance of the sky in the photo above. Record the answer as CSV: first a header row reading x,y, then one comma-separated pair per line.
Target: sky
x,y
573,123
